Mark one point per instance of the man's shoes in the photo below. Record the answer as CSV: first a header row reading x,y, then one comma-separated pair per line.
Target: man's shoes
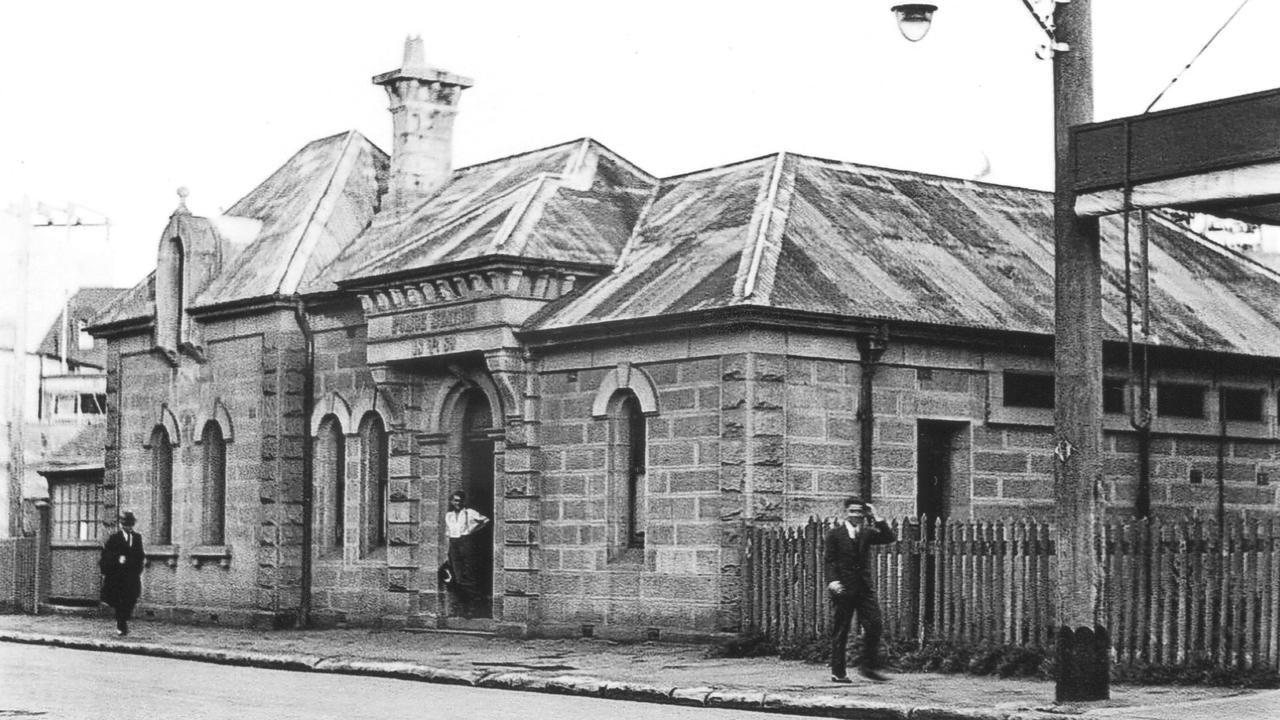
x,y
840,679
122,633
872,674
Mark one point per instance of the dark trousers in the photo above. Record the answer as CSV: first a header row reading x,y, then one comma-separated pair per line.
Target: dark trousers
x,y
843,606
124,611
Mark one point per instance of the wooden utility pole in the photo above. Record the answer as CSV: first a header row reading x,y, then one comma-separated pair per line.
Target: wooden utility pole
x,y
18,382
1083,658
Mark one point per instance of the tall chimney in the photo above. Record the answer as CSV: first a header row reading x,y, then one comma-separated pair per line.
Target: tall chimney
x,y
423,103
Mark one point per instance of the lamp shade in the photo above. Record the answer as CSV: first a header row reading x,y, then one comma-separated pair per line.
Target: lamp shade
x,y
914,19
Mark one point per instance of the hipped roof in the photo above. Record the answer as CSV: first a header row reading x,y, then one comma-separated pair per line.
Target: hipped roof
x,y
799,233
784,232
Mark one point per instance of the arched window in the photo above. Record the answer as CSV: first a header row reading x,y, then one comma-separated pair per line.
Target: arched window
x,y
331,480
373,481
161,481
627,476
214,520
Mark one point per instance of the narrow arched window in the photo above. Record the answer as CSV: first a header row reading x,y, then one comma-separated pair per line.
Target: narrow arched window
x,y
373,481
627,474
636,476
161,481
214,520
331,480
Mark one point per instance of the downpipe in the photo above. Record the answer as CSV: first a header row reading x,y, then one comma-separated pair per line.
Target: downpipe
x,y
308,407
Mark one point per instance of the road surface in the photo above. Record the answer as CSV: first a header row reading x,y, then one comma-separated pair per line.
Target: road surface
x,y
50,683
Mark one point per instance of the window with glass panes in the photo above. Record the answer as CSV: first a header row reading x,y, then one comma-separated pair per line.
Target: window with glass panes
x,y
76,509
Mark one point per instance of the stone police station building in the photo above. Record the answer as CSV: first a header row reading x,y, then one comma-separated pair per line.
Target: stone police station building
x,y
623,370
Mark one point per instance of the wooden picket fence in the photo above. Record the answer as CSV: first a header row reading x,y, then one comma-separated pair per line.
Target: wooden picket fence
x,y
1176,593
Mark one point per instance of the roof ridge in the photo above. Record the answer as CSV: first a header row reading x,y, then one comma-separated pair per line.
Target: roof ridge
x,y
919,173
285,164
762,222
471,211
295,266
715,168
516,214
505,158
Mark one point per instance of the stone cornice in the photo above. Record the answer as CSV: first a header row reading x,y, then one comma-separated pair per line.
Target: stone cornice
x,y
545,283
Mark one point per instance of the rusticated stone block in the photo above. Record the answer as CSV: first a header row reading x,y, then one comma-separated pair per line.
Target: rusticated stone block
x,y
523,533
400,512
733,395
519,583
768,478
733,367
733,478
769,368
520,557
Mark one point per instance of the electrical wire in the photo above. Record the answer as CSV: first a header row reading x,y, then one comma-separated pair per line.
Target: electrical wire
x,y
1197,57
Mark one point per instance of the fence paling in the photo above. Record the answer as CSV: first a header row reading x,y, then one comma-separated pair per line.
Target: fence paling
x,y
1174,593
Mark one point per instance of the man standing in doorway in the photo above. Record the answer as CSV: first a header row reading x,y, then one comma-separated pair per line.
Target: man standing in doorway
x,y
851,586
121,565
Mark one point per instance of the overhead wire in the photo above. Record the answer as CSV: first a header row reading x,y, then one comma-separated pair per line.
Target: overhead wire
x,y
1197,56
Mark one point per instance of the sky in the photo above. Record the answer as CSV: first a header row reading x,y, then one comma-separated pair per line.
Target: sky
x,y
114,105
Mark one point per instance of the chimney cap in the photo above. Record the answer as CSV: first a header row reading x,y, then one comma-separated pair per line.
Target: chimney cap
x,y
415,67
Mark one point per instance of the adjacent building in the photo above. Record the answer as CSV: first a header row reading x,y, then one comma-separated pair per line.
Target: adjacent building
x,y
623,370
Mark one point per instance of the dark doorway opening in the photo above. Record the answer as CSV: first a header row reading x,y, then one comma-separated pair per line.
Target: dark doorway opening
x,y
942,491
935,442
477,481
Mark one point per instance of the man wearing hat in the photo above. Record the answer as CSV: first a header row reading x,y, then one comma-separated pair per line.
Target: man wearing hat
x,y
121,566
849,570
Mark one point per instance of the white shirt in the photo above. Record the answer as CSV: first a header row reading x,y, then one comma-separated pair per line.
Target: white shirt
x,y
462,523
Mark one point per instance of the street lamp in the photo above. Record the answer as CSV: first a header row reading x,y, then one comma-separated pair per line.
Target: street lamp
x,y
1083,659
914,19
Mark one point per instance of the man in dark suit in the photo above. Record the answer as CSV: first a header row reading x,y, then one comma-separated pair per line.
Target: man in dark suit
x,y
121,566
851,586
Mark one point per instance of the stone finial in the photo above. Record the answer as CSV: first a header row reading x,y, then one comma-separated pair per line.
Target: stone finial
x,y
183,192
414,55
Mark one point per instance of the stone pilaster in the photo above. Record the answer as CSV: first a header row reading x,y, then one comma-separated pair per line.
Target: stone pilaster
x,y
284,430
431,448
115,419
752,467
518,466
404,491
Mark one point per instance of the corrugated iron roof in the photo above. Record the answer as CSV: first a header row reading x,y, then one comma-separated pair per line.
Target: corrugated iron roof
x,y
859,241
311,210
305,214
574,202
784,231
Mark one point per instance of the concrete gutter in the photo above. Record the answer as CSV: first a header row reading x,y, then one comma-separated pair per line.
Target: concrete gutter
x,y
817,705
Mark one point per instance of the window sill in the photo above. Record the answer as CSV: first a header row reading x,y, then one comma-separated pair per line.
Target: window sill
x,y
75,544
166,553
202,554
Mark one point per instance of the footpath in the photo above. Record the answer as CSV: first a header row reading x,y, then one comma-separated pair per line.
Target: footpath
x,y
648,672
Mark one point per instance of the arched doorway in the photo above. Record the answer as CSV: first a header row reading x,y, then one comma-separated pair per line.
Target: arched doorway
x,y
476,478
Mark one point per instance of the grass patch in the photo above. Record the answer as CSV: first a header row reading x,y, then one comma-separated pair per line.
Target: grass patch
x,y
993,660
